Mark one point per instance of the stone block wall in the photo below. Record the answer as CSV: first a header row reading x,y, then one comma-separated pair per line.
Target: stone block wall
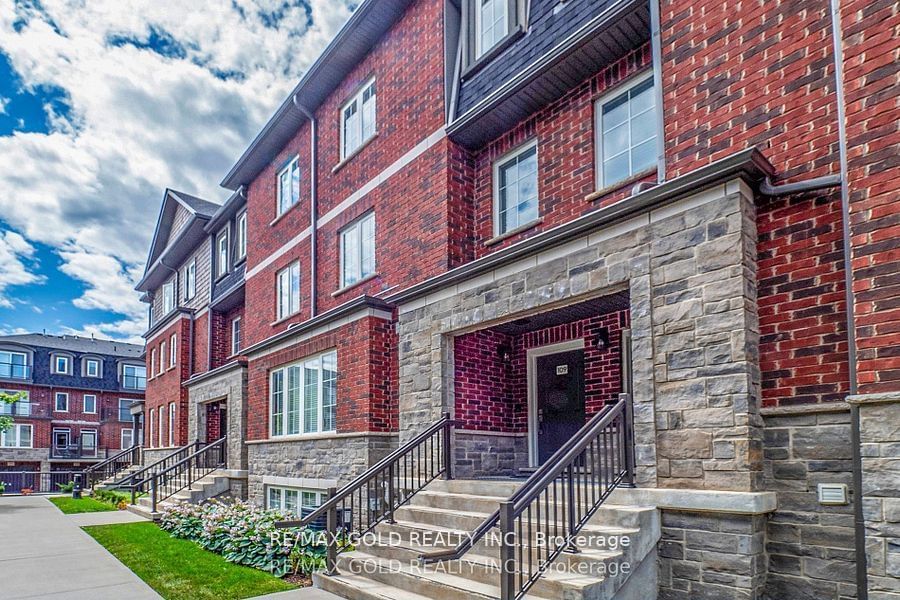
x,y
231,387
485,454
810,546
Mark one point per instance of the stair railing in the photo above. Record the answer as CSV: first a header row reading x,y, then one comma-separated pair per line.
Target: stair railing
x,y
373,496
187,471
543,518
137,482
111,466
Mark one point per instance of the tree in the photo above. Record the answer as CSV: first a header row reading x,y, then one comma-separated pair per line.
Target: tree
x,y
7,398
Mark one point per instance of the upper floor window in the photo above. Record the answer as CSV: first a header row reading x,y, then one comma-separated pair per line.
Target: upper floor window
x,y
190,280
125,409
134,377
17,436
173,350
516,189
62,364
152,361
236,336
20,408
288,290
222,253
626,131
168,291
358,120
90,403
61,402
358,250
13,365
289,186
242,236
92,367
303,396
162,358
491,24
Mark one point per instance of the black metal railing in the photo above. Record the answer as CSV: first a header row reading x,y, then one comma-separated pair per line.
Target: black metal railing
x,y
17,409
77,451
111,467
136,482
10,370
35,482
373,496
543,518
194,467
134,382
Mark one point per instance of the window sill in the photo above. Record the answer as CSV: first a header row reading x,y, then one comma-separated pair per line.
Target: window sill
x,y
605,191
491,54
283,319
355,284
514,232
326,435
283,215
353,154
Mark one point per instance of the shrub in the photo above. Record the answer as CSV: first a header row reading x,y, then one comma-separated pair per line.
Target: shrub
x,y
66,488
111,496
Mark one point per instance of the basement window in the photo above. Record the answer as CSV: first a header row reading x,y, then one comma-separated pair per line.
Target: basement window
x,y
626,131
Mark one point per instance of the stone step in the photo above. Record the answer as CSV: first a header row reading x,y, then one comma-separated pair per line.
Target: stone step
x,y
502,488
353,587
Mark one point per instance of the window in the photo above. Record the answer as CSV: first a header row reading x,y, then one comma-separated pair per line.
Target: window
x,y
161,429
168,297
134,377
152,361
92,367
127,439
288,186
62,439
90,403
491,24
162,358
358,250
13,365
242,236
88,442
150,427
358,120
626,126
173,350
515,189
61,364
222,253
236,336
20,408
125,409
190,280
171,424
17,436
303,396
61,402
288,289
294,501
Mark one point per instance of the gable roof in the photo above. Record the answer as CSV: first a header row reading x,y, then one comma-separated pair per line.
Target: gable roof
x,y
75,343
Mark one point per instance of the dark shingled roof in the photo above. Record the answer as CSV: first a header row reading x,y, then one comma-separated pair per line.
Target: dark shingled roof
x,y
198,205
74,343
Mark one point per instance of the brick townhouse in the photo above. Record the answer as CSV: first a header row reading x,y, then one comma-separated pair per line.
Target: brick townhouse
x,y
74,407
515,211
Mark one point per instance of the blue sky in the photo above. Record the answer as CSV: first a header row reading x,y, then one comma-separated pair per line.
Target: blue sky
x,y
105,104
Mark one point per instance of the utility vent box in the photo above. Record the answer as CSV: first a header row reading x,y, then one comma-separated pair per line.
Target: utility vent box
x,y
833,493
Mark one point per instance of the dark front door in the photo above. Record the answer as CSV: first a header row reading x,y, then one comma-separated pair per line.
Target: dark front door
x,y
223,421
560,399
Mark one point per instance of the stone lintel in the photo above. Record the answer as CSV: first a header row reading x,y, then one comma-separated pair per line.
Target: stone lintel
x,y
322,436
709,501
805,409
879,398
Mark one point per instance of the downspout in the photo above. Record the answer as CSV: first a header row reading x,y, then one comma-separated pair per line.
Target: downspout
x,y
862,583
209,317
656,51
314,206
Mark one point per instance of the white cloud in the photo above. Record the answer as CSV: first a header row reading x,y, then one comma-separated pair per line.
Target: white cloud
x,y
16,265
4,102
138,121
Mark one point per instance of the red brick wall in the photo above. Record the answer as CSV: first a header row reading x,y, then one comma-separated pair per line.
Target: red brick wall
x,y
366,384
493,396
166,387
201,342
872,78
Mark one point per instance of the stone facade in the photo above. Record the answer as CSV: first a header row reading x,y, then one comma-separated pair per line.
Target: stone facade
x,y
488,454
689,269
229,385
879,429
314,462
810,546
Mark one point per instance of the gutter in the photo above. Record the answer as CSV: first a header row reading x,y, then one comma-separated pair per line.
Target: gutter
x,y
314,205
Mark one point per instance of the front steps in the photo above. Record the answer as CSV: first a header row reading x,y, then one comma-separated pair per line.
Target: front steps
x,y
385,566
210,486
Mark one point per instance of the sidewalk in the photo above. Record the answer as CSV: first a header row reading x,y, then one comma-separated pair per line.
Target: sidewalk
x,y
45,554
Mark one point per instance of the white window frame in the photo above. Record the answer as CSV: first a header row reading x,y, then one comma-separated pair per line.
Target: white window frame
x,y
285,199
236,336
281,426
364,111
122,436
498,166
89,432
68,362
222,262
190,280
301,494
135,375
358,227
480,49
56,397
168,294
173,350
12,368
84,400
160,431
65,430
150,427
119,407
242,236
171,425
15,434
292,296
87,367
152,362
614,94
163,355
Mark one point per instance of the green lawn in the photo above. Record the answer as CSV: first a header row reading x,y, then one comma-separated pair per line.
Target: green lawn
x,y
180,569
70,506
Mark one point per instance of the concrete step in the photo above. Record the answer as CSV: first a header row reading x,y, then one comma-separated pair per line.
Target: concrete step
x,y
355,587
503,488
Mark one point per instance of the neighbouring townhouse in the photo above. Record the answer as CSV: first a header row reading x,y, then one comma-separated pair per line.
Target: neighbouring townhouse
x,y
656,240
74,405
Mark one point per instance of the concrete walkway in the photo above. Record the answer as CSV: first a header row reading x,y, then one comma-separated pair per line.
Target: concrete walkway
x,y
45,554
